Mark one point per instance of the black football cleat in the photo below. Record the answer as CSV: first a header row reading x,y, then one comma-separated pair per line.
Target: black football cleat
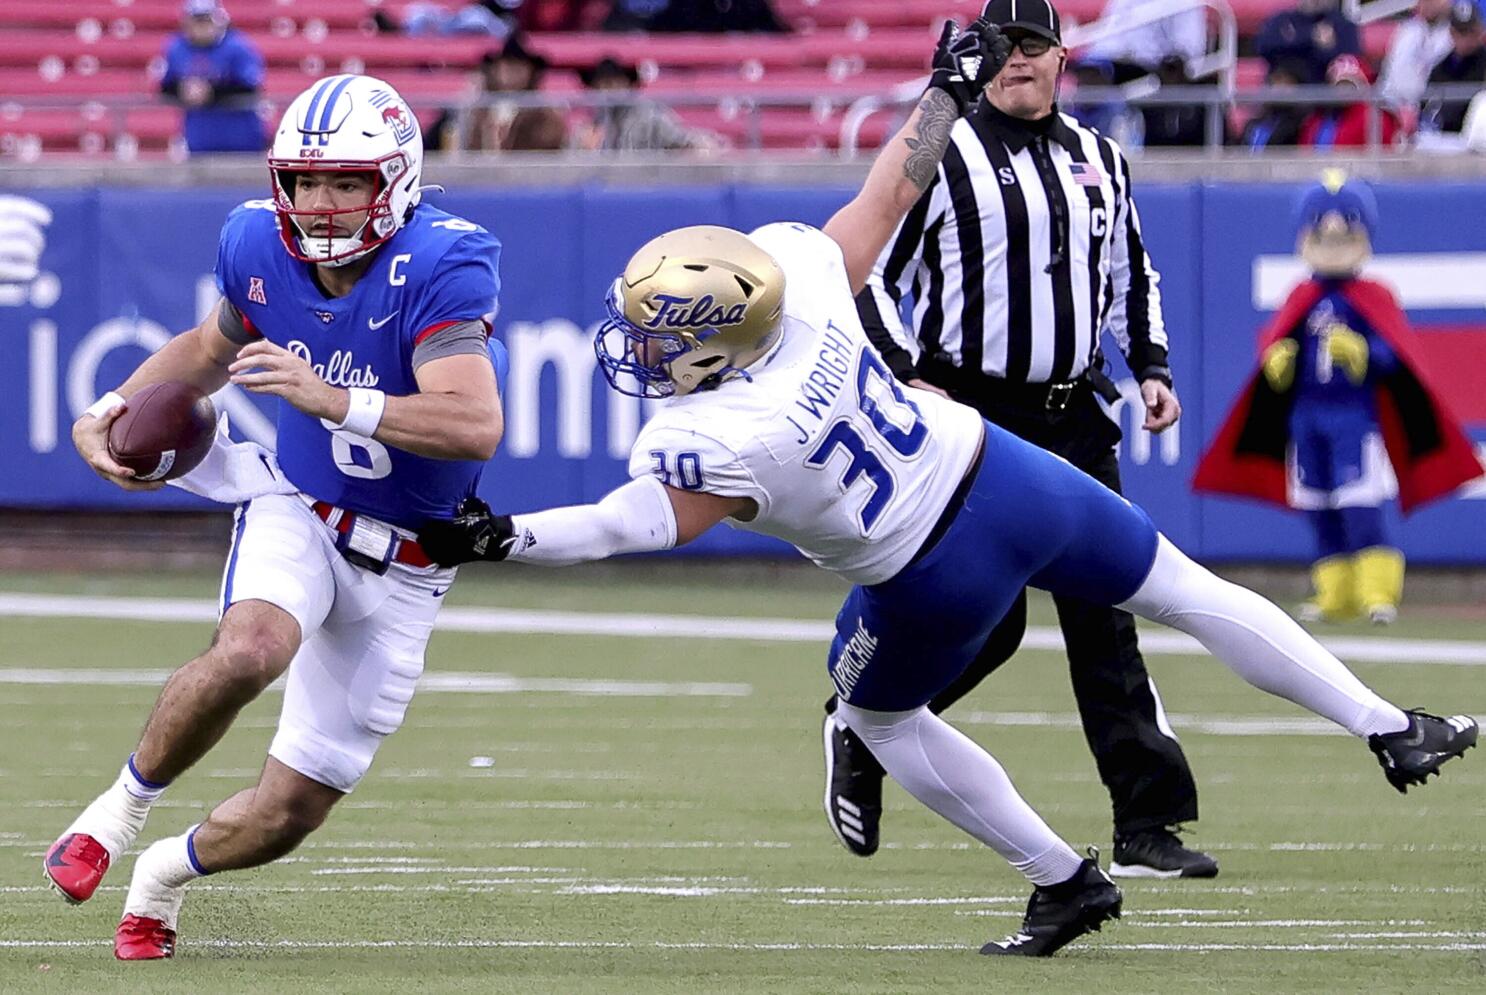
x,y
853,799
1059,914
1158,853
1410,756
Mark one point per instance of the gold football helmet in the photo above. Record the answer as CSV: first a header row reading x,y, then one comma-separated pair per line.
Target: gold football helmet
x,y
692,309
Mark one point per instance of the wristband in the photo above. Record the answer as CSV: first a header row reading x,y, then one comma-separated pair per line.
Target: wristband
x,y
1161,373
364,413
105,404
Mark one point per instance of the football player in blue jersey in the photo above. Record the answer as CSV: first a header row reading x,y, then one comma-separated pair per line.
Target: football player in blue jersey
x,y
367,314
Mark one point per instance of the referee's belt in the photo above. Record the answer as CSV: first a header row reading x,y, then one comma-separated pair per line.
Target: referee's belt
x,y
1053,396
406,550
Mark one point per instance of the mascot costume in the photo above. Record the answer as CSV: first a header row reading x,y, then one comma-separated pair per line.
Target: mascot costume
x,y
1338,397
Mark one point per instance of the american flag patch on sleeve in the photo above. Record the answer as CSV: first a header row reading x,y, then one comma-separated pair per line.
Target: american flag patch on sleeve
x,y
1085,175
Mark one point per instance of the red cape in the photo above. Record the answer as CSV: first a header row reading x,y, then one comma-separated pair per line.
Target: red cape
x,y
1430,453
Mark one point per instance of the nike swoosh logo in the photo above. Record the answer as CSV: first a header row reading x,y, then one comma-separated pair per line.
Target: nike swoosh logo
x,y
54,859
374,324
440,592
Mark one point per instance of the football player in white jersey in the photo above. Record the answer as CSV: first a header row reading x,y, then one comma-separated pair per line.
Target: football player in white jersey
x,y
782,419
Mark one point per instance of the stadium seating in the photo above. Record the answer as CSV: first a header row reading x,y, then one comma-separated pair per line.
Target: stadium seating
x,y
61,62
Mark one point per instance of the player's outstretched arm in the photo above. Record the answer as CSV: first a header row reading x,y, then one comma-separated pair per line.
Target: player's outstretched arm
x,y
642,516
199,356
964,62
456,413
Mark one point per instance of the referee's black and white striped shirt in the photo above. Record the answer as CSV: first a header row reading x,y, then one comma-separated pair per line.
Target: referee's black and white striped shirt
x,y
1025,246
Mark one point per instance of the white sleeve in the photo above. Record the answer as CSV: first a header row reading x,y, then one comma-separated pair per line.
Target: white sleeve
x,y
636,517
689,461
808,256
234,472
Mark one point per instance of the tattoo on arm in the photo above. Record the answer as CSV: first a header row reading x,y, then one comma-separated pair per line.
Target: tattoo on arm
x,y
938,113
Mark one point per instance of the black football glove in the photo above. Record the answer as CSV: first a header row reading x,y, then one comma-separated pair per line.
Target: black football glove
x,y
472,534
966,61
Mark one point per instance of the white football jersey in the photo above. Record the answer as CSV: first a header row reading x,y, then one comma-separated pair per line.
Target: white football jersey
x,y
847,464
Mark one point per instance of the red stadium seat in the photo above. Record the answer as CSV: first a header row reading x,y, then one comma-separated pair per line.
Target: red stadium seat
x,y
145,16
99,49
1375,39
817,14
1249,73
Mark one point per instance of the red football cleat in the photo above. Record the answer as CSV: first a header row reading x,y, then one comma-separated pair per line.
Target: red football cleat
x,y
75,866
139,938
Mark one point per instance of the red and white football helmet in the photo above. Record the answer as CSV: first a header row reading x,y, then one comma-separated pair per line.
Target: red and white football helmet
x,y
354,124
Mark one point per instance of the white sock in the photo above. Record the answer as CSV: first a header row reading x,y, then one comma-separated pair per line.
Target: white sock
x,y
160,877
1260,643
116,817
132,782
951,774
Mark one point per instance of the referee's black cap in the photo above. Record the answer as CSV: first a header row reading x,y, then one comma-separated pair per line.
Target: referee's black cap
x,y
1036,17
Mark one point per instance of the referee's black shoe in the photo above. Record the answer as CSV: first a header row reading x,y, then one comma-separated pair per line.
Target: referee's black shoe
x,y
1410,756
1158,853
1059,914
853,798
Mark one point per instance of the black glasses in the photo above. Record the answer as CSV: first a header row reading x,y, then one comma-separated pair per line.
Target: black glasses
x,y
1031,45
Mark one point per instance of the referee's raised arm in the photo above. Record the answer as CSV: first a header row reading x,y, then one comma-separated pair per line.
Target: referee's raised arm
x,y
964,62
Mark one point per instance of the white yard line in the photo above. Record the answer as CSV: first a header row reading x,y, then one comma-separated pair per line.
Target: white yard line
x,y
39,846
652,626
1105,948
445,682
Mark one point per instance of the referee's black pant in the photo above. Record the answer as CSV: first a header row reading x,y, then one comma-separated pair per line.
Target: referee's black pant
x,y
1145,770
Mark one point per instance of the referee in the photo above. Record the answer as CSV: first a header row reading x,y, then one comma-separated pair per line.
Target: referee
x,y
1025,246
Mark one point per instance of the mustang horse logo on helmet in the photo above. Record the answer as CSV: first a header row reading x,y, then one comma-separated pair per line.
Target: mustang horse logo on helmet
x,y
688,312
395,115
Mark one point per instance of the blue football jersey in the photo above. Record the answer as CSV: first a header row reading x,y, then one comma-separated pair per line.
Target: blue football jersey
x,y
436,271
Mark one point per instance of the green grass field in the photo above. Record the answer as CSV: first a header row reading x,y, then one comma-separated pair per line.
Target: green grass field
x,y
669,838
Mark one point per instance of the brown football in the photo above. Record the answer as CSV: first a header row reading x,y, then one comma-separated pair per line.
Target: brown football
x,y
165,430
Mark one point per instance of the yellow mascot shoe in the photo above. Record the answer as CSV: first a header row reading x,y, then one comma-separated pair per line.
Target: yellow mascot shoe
x,y
1380,583
1335,599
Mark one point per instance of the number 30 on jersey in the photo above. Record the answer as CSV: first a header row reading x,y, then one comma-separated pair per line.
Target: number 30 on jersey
x,y
884,415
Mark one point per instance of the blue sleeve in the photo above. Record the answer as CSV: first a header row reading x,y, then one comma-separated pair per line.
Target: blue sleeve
x,y
501,360
464,285
173,62
1268,43
1348,38
248,65
1382,361
230,249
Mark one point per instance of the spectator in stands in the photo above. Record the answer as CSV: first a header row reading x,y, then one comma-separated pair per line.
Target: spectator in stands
x,y
215,73
1316,32
1416,46
1140,50
503,126
693,15
1279,123
1175,124
635,125
482,17
1111,116
1346,126
1465,63
551,15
